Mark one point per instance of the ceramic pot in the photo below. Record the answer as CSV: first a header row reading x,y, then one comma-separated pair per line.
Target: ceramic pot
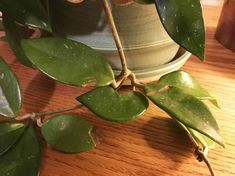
x,y
146,43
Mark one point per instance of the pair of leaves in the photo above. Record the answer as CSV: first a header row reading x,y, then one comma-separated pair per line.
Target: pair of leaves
x,y
20,150
27,12
10,94
179,95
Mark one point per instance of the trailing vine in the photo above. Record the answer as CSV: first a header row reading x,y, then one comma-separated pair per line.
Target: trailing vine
x,y
177,93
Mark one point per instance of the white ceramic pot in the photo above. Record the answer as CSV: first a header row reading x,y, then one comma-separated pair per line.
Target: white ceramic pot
x,y
146,43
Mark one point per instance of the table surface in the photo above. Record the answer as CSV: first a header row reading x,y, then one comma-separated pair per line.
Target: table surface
x,y
152,145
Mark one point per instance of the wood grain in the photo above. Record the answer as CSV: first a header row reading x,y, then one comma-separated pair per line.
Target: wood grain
x,y
153,145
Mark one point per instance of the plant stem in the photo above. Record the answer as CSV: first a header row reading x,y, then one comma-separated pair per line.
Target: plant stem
x,y
109,15
35,116
200,154
125,71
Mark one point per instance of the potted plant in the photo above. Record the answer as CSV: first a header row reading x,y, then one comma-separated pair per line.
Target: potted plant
x,y
29,32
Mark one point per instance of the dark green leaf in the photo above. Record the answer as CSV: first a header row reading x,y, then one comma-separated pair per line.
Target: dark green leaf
x,y
15,33
185,82
23,159
10,94
187,109
3,38
111,106
68,133
145,1
183,21
68,61
9,134
28,12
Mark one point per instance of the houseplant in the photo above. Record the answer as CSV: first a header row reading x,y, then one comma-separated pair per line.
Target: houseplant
x,y
74,63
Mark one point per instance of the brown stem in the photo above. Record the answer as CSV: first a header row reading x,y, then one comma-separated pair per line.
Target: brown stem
x,y
199,153
35,116
125,71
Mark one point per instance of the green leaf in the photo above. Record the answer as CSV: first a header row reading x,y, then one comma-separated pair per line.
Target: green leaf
x,y
68,133
112,106
14,34
187,109
28,12
23,158
185,82
10,94
202,139
184,23
68,61
9,134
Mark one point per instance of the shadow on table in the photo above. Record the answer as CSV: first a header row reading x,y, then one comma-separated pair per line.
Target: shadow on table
x,y
164,135
38,93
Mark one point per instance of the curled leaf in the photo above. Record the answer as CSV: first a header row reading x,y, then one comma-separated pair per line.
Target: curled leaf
x,y
112,106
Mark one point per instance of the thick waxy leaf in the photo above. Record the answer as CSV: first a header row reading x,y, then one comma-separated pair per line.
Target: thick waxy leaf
x,y
68,61
10,95
28,12
202,139
23,158
187,109
183,21
112,106
68,133
9,134
185,82
15,33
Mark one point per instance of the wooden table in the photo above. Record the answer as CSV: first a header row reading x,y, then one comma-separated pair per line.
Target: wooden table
x,y
153,145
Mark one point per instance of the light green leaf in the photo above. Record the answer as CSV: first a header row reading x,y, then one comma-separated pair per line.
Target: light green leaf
x,y
9,134
187,109
10,94
23,159
112,106
14,34
184,23
186,83
68,133
28,12
202,139
68,61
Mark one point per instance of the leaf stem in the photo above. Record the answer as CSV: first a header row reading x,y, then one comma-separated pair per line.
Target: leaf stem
x,y
199,153
36,116
125,73
113,27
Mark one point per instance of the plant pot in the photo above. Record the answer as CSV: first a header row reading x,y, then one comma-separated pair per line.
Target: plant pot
x,y
225,32
147,45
